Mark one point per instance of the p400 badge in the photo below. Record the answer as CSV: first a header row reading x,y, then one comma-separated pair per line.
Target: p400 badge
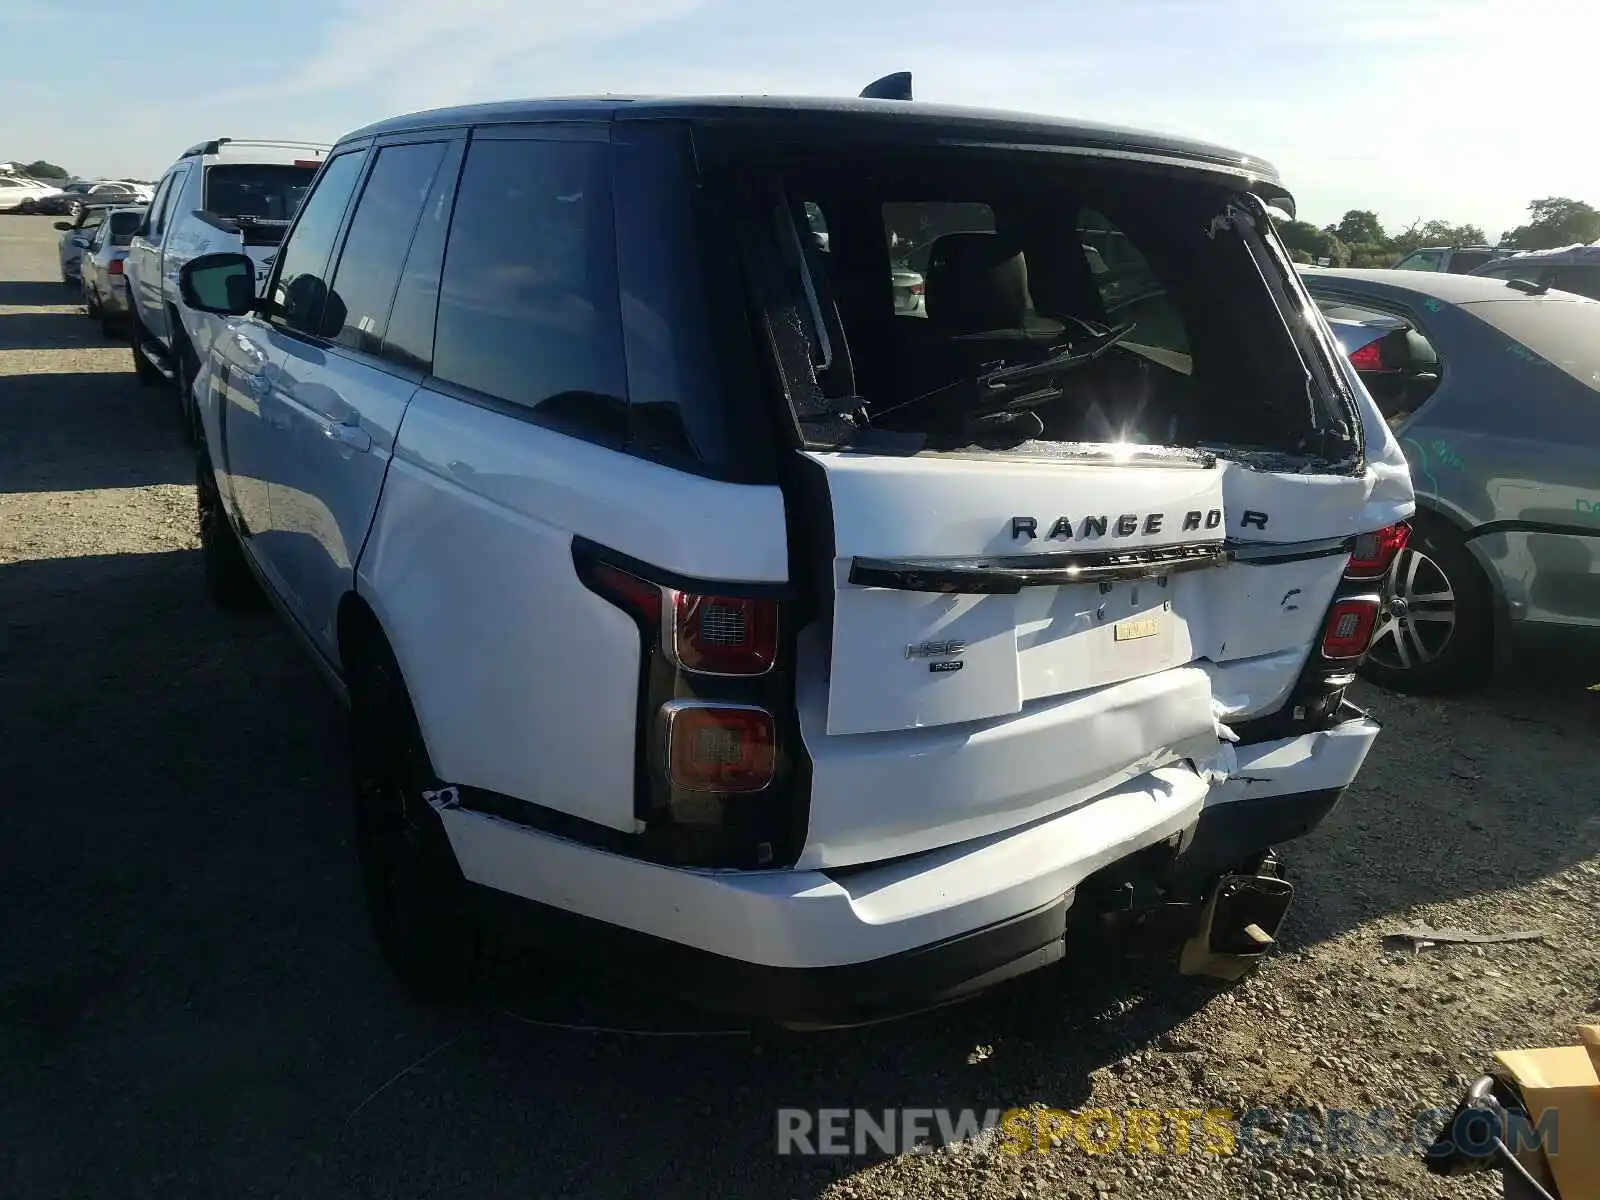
x,y
943,653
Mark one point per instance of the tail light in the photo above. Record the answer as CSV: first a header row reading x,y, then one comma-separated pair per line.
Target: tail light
x,y
1349,627
916,289
1369,357
727,748
115,267
720,770
638,596
725,635
1373,552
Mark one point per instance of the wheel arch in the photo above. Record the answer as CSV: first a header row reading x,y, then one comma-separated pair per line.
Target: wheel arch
x,y
1431,510
361,636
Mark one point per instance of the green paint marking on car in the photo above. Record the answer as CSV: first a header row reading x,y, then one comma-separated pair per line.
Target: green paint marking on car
x,y
1445,454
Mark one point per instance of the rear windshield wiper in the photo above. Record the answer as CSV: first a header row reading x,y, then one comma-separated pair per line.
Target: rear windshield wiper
x,y
1003,380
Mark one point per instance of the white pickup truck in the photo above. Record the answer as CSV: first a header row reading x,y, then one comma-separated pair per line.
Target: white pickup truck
x,y
222,195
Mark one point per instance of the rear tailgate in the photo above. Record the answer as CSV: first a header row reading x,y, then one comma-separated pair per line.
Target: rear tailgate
x,y
961,693
1054,541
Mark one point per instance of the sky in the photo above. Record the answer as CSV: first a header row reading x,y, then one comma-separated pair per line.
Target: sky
x,y
1462,110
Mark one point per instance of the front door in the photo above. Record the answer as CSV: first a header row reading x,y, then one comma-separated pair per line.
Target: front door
x,y
345,391
144,254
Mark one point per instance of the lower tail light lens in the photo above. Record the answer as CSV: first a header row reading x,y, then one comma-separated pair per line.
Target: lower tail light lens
x,y
725,635
1375,551
1349,628
719,748
115,267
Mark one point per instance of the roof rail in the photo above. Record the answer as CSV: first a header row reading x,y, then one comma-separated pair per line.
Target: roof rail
x,y
891,87
216,144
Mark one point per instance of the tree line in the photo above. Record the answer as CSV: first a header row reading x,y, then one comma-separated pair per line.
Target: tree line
x,y
1359,239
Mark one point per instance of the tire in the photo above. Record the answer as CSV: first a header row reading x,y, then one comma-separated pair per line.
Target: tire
x,y
229,581
108,328
416,894
1436,630
146,371
90,304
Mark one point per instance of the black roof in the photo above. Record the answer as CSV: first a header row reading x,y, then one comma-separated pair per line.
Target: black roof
x,y
811,117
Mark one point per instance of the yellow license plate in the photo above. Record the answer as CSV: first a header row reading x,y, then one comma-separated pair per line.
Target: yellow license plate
x,y
1139,627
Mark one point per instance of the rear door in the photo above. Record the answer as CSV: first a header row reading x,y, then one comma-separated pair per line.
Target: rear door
x,y
146,253
342,393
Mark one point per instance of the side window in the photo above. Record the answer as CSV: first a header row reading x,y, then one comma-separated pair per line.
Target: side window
x,y
374,249
528,305
152,214
299,291
1421,260
93,219
409,337
1129,288
169,203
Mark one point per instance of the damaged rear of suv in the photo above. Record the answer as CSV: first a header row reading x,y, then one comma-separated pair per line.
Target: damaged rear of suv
x,y
795,648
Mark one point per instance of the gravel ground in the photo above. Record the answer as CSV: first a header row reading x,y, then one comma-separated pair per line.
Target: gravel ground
x,y
190,1003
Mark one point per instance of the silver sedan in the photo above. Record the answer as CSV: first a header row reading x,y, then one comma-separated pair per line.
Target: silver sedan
x,y
1493,390
105,288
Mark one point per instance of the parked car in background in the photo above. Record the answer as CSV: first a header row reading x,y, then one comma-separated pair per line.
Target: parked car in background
x,y
55,204
20,195
982,582
223,195
1452,260
75,236
1569,269
908,288
105,194
1396,363
105,285
1494,393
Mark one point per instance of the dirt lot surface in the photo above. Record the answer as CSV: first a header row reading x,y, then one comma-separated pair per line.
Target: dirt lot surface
x,y
191,1005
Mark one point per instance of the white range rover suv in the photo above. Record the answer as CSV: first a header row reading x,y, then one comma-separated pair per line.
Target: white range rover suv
x,y
704,616
223,195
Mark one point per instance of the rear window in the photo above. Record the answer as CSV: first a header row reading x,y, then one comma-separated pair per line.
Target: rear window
x,y
123,225
259,191
1020,301
1580,280
1563,332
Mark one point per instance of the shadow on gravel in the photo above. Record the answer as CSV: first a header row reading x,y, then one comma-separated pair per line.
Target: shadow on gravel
x,y
191,1002
76,431
51,331
37,293
1460,797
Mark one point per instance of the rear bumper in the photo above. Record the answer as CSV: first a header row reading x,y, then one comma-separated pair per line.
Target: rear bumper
x,y
114,298
846,946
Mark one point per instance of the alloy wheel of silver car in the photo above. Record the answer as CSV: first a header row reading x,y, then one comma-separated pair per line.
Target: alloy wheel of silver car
x,y
1418,618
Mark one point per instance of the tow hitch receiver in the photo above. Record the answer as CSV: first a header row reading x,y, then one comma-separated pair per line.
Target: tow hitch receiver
x,y
1238,925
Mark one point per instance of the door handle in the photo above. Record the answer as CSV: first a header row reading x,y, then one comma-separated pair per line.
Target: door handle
x,y
353,436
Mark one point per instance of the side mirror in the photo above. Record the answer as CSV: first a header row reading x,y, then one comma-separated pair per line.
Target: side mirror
x,y
64,226
224,284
